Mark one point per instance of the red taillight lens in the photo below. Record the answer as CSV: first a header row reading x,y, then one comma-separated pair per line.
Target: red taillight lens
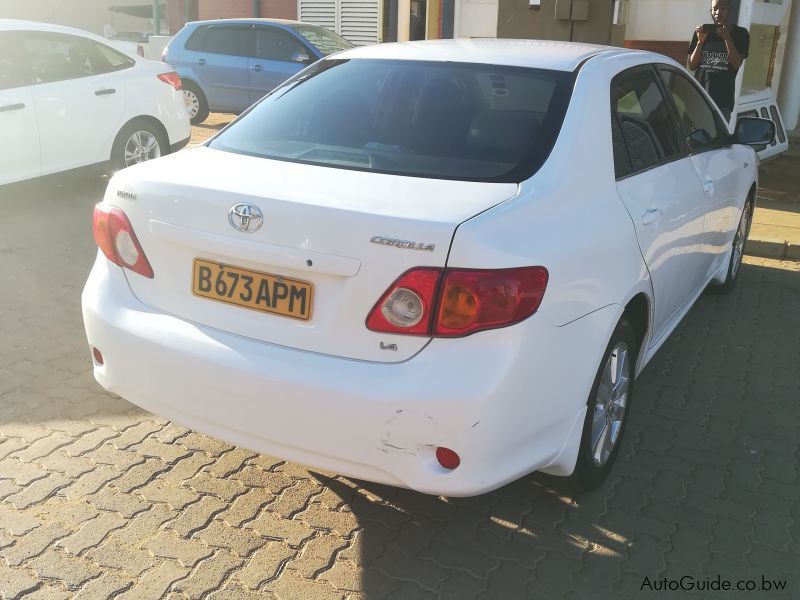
x,y
407,306
474,300
464,301
173,79
115,237
447,458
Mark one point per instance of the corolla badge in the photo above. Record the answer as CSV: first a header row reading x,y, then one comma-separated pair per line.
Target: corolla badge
x,y
245,217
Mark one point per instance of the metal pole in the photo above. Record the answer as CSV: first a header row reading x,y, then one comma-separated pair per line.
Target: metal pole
x,y
157,17
187,11
256,8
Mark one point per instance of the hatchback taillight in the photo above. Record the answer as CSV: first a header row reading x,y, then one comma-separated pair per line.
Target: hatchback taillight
x,y
116,238
173,79
458,302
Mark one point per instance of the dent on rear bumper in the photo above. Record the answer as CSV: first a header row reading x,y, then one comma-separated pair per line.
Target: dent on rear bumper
x,y
499,398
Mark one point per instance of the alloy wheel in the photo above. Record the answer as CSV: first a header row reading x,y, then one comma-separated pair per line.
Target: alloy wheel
x,y
141,146
609,409
192,103
739,240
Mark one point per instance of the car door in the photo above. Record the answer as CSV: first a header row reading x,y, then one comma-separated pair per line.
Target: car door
x,y
20,155
80,98
660,189
219,58
717,167
277,55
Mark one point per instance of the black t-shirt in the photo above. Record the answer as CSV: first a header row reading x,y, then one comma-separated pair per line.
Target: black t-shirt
x,y
714,71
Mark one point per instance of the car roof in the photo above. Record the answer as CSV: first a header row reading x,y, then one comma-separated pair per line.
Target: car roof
x,y
541,54
250,20
21,25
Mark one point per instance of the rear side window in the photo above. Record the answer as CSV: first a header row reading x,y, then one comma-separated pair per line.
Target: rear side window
x,y
59,57
472,122
230,40
645,119
15,69
274,44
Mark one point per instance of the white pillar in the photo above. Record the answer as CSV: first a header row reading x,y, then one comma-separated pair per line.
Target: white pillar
x,y
403,20
789,92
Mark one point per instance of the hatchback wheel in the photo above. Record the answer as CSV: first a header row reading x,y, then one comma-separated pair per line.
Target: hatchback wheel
x,y
196,103
737,249
607,408
137,142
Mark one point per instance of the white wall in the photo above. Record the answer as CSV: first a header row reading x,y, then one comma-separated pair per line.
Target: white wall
x,y
475,18
666,20
90,15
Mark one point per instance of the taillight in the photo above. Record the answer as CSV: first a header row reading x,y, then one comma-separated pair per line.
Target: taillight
x,y
407,305
173,79
115,237
458,302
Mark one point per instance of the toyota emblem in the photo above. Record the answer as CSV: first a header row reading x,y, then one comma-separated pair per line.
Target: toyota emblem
x,y
246,217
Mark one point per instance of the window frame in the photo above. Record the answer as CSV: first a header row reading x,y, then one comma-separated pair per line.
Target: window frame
x,y
682,147
723,141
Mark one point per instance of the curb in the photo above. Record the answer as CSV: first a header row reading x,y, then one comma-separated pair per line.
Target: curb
x,y
776,249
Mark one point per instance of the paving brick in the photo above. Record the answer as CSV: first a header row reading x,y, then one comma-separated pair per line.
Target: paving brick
x,y
38,491
170,434
90,441
555,575
421,570
105,586
22,473
158,490
272,526
690,548
9,446
126,505
721,507
294,500
461,585
168,544
264,565
235,592
647,555
246,507
225,489
509,580
290,586
186,468
91,533
317,555
731,538
91,482
199,442
627,524
411,591
601,570
72,466
43,447
771,530
17,522
344,575
256,477
135,434
7,488
319,517
122,556
107,454
49,592
33,543
63,568
231,461
155,583
139,475
16,582
152,448
208,575
197,515
239,541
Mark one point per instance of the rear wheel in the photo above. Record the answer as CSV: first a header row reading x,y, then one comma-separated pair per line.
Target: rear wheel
x,y
196,103
737,249
607,408
137,142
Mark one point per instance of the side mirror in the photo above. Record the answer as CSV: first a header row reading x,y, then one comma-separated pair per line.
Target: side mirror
x,y
301,57
755,132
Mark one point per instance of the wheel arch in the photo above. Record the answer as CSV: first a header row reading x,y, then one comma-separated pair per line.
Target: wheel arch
x,y
150,120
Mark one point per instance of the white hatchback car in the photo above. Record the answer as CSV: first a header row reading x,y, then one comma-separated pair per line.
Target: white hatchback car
x,y
68,99
437,265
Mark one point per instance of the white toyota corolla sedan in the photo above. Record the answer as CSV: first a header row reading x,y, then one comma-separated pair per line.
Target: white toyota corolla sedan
x,y
69,99
438,265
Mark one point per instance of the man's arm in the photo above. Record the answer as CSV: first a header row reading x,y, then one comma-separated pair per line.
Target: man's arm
x,y
696,47
735,59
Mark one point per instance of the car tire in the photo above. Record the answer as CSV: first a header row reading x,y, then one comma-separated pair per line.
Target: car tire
x,y
196,102
137,142
737,250
608,407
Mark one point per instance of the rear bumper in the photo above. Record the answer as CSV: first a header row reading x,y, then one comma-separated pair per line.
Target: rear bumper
x,y
506,411
178,145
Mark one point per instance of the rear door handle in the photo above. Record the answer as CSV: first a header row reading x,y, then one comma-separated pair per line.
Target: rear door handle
x,y
257,68
708,186
10,107
651,216
105,92
201,61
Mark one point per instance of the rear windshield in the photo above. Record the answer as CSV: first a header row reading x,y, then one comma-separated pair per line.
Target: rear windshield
x,y
325,41
471,122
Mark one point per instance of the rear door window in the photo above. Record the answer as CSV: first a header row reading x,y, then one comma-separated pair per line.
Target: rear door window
x,y
228,39
698,120
273,44
645,119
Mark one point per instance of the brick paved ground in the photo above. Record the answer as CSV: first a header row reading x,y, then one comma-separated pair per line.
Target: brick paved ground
x,y
99,499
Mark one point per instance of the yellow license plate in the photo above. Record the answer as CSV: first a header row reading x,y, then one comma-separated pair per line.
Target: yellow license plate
x,y
252,289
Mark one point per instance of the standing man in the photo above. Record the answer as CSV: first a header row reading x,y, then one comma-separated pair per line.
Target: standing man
x,y
716,53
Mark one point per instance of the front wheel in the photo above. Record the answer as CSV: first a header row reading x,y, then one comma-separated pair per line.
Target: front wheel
x,y
607,408
737,249
137,142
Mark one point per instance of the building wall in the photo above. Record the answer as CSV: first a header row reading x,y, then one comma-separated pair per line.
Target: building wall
x,y
89,15
227,9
